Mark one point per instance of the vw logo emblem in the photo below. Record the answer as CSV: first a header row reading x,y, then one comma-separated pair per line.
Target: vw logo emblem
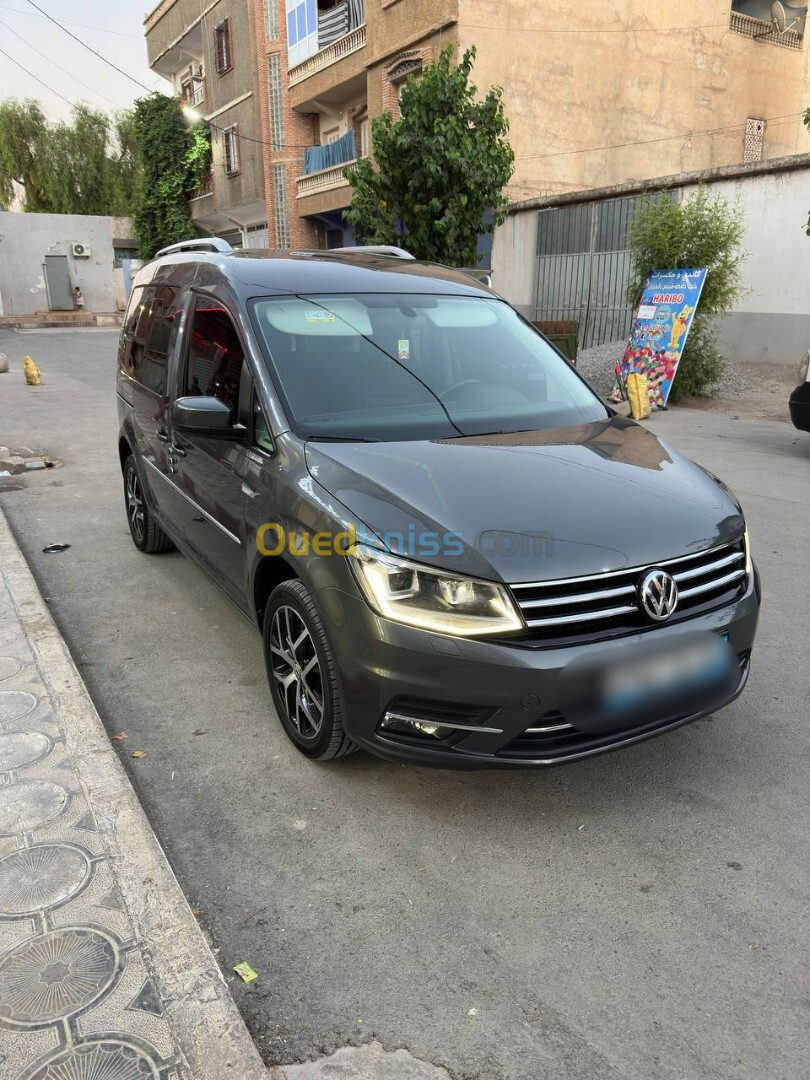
x,y
658,595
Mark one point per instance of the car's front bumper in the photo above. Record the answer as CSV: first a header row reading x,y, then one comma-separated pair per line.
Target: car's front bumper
x,y
799,405
385,666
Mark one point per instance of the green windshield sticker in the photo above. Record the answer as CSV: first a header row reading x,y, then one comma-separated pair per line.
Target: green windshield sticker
x,y
404,347
320,316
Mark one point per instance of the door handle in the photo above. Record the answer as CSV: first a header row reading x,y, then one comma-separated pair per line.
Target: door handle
x,y
162,434
178,451
251,494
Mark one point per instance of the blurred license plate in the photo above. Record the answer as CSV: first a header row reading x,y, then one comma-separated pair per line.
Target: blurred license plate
x,y
696,663
652,681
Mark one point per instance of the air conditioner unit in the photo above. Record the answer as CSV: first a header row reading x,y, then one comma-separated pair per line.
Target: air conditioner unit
x,y
81,251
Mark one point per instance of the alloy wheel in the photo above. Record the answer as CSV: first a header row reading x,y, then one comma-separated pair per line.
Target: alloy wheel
x,y
297,671
135,507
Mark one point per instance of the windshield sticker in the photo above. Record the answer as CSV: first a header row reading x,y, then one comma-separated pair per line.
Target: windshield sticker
x,y
318,316
404,347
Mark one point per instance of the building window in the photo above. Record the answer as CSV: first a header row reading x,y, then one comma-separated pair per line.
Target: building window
x,y
283,237
754,142
271,20
230,143
302,29
364,137
762,20
223,47
276,102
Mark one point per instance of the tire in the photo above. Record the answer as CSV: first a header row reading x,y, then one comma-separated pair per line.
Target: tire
x,y
147,535
302,673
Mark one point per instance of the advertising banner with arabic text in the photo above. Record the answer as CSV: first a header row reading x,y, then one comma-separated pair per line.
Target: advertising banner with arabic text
x,y
659,331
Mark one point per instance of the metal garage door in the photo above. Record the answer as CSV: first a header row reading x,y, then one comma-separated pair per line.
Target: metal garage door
x,y
583,267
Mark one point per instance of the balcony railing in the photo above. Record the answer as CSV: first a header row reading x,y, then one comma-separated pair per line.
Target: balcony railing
x,y
195,95
325,180
344,46
205,188
764,30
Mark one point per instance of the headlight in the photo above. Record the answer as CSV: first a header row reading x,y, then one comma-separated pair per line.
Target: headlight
x,y
747,546
430,599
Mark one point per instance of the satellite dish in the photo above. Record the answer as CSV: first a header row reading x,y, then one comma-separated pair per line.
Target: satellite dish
x,y
779,16
785,16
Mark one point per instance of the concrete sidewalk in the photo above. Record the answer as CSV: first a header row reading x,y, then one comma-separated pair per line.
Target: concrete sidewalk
x,y
103,969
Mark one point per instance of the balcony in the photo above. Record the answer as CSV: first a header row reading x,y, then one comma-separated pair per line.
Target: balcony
x,y
324,180
755,19
324,58
193,94
323,173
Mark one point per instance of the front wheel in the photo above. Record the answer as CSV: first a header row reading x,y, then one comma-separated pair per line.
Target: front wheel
x,y
302,673
146,534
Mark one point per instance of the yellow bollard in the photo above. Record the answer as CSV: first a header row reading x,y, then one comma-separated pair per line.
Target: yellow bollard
x,y
32,375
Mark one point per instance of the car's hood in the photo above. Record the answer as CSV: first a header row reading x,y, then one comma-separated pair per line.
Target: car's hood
x,y
533,505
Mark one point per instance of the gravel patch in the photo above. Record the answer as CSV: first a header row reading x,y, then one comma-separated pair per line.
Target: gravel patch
x,y
730,384
597,365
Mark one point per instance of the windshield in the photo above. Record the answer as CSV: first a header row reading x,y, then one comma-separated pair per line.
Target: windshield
x,y
392,367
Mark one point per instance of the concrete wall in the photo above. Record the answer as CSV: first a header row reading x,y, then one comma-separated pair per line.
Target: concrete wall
x,y
600,94
772,319
25,239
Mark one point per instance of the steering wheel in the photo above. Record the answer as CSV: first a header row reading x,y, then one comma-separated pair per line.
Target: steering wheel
x,y
460,385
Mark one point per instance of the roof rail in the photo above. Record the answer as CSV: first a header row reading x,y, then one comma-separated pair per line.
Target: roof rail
x,y
204,243
375,249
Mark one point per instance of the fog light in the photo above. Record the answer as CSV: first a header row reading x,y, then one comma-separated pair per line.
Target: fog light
x,y
398,724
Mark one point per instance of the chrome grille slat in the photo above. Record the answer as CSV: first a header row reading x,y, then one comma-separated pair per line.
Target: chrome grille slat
x,y
701,571
579,598
586,616
606,604
707,586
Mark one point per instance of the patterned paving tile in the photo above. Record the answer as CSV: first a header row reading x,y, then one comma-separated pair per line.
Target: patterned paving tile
x,y
77,1001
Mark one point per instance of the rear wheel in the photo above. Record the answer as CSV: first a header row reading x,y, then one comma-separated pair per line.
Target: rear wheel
x,y
146,534
302,673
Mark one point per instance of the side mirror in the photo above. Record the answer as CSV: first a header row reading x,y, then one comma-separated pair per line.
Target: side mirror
x,y
203,415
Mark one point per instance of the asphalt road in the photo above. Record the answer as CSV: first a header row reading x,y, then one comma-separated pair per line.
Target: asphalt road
x,y
639,915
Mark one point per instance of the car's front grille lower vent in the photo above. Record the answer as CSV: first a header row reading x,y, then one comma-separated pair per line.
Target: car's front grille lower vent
x,y
607,605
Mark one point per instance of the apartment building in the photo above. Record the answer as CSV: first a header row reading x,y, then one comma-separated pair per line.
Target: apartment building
x,y
208,54
326,67
597,94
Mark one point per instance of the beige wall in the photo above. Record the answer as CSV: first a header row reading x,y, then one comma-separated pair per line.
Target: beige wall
x,y
572,92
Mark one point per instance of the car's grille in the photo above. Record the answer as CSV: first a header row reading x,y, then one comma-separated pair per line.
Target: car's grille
x,y
606,605
552,736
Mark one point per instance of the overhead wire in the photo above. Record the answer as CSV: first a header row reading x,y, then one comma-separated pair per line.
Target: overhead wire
x,y
64,71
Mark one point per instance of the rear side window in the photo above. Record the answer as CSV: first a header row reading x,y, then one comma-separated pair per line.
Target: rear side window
x,y
134,311
148,334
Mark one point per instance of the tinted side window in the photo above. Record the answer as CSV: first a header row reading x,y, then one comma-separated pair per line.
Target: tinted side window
x,y
134,311
215,355
162,317
261,430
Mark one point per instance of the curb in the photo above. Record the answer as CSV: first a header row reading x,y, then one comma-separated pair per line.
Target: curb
x,y
201,1013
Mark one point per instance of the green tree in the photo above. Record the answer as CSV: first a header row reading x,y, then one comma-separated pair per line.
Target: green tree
x,y
23,160
807,125
174,159
702,230
437,176
76,166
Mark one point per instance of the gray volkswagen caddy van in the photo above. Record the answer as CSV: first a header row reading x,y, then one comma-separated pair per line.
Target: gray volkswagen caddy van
x,y
457,554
